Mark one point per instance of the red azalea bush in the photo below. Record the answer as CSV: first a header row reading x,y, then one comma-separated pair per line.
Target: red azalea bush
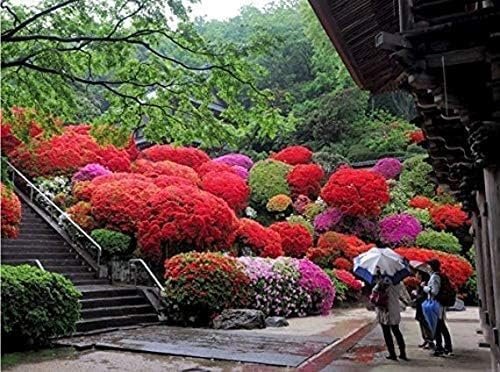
x,y
295,239
355,246
84,190
164,181
294,155
81,214
448,216
341,263
456,268
305,179
356,192
421,202
200,285
183,218
11,213
263,241
119,205
118,160
189,156
349,280
214,166
229,187
165,168
416,136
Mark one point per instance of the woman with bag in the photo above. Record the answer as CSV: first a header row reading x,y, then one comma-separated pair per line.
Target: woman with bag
x,y
385,296
419,298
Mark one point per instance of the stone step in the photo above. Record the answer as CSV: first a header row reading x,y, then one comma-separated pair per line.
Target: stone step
x,y
40,256
93,303
100,312
96,292
90,282
39,235
29,241
8,248
76,276
69,269
114,321
45,263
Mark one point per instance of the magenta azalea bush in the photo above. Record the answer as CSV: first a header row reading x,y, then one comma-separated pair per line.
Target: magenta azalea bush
x,y
327,219
89,172
236,159
240,171
288,286
399,229
390,168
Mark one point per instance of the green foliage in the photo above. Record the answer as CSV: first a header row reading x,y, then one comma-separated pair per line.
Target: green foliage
x,y
36,306
113,243
439,240
302,221
471,292
414,178
422,215
267,178
329,160
124,62
341,288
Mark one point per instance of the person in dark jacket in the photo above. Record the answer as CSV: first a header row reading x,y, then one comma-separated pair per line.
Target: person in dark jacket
x,y
419,297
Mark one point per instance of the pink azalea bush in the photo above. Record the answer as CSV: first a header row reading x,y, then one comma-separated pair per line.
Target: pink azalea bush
x,y
236,159
318,284
89,172
390,168
327,219
399,229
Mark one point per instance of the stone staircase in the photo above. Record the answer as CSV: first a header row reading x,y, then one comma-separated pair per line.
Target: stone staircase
x,y
103,305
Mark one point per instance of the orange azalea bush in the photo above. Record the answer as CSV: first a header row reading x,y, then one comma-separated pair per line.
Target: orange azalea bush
x,y
448,216
294,155
165,168
189,156
295,238
81,214
263,241
11,213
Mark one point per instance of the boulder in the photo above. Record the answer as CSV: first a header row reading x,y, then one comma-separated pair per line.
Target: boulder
x,y
240,319
276,321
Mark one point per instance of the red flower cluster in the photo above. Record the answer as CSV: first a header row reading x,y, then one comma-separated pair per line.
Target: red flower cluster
x,y
356,192
229,187
214,166
165,168
456,268
84,190
183,218
120,205
355,246
263,241
411,282
348,279
294,155
341,263
295,239
448,216
421,202
190,156
164,181
305,179
81,214
416,136
117,160
11,213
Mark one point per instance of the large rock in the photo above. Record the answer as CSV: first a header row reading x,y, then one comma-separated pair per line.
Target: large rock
x,y
276,321
240,319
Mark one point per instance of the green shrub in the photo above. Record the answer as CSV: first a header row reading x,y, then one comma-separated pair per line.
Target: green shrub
x,y
36,306
113,243
422,215
415,177
439,240
328,160
268,178
341,288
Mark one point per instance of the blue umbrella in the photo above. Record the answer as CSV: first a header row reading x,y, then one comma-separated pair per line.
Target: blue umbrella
x,y
381,261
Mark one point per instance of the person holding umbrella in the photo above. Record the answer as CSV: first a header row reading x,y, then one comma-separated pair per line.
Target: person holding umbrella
x,y
385,268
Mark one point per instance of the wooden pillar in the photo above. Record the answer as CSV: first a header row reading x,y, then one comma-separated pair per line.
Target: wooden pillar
x,y
478,259
492,195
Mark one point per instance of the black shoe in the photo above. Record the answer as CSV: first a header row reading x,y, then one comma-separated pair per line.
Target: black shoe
x,y
437,353
422,346
448,352
403,357
391,357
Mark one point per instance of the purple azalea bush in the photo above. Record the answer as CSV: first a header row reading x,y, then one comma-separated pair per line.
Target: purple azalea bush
x,y
390,168
235,159
240,171
399,229
89,172
288,286
327,219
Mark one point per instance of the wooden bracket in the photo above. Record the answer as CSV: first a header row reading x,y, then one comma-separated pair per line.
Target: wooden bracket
x,y
387,41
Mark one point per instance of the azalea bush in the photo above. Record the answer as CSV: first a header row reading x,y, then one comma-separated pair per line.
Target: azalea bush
x,y
181,219
440,240
253,239
238,160
448,216
198,286
330,246
81,213
294,155
279,203
399,229
306,179
356,192
189,156
349,280
421,202
389,168
89,172
266,179
327,220
295,239
165,168
11,213
229,187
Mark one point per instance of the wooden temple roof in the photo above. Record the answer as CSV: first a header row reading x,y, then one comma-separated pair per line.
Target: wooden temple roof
x,y
352,26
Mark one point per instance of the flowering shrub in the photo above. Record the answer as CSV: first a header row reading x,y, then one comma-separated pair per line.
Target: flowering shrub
x,y
81,214
456,268
267,178
11,213
440,240
201,285
389,168
261,240
348,279
190,156
355,246
318,285
294,155
342,263
301,203
279,203
399,229
119,205
421,202
327,219
362,227
448,216
212,166
118,160
239,160
240,171
330,246
295,239
301,221
165,168
183,218
53,188
356,192
89,172
422,215
305,179
416,136
411,282
229,187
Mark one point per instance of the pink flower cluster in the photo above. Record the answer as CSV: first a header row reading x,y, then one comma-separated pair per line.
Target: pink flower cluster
x,y
327,219
399,229
239,160
89,172
390,168
318,284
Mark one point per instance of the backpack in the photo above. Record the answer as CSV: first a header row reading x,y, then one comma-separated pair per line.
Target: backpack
x,y
447,294
380,299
